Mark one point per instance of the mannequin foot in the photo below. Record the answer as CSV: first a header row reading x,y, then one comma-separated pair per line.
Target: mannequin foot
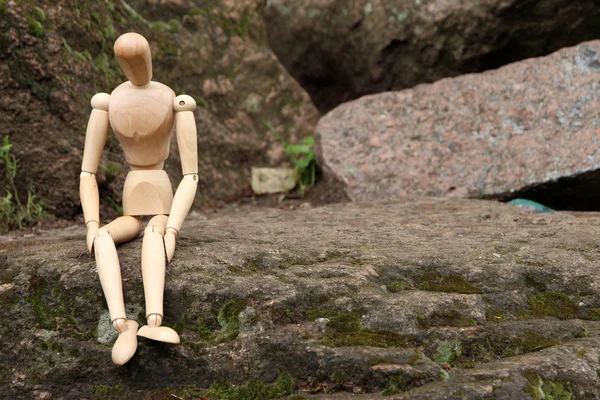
x,y
126,344
156,332
160,333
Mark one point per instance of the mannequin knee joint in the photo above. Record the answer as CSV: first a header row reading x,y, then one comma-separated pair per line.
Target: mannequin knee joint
x,y
103,232
154,229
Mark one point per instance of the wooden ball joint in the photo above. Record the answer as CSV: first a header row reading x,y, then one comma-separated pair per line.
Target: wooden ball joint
x,y
143,115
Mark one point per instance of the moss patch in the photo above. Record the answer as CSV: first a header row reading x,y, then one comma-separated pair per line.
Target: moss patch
x,y
50,306
446,318
35,28
552,304
228,320
396,385
398,286
435,282
491,348
534,341
108,392
539,389
559,305
346,330
253,389
447,351
315,313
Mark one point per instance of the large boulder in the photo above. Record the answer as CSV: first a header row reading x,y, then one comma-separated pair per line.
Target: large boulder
x,y
54,56
439,299
530,129
341,50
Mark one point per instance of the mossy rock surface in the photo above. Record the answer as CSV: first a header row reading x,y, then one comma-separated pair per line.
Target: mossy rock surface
x,y
324,323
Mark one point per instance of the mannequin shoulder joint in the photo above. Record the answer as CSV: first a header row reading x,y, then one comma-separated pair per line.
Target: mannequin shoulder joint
x,y
184,103
100,101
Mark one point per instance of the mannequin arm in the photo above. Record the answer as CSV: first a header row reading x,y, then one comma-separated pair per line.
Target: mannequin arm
x,y
95,137
184,106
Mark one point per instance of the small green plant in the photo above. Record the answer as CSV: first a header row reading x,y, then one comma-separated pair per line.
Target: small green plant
x,y
115,205
305,164
13,213
35,28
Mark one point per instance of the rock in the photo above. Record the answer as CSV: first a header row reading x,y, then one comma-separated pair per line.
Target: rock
x,y
341,50
531,127
215,52
272,180
244,289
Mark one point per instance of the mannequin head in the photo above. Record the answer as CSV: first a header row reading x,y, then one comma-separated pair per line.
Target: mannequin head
x,y
133,53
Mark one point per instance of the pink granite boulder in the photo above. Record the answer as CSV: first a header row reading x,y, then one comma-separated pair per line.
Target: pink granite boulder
x,y
527,126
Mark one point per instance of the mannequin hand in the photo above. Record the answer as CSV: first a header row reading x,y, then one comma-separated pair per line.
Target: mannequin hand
x,y
92,230
170,238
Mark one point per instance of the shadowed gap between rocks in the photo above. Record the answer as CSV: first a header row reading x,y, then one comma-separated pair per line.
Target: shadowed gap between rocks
x,y
579,192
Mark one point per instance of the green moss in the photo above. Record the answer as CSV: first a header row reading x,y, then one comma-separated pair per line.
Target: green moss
x,y
592,314
338,378
229,320
535,385
346,330
398,286
533,341
49,306
556,391
253,389
105,392
446,318
435,282
581,353
199,326
416,357
172,26
539,389
35,28
39,14
552,304
396,385
3,7
251,265
447,351
581,333
111,170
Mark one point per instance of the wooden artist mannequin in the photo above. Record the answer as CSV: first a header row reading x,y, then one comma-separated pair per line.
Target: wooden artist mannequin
x,y
142,114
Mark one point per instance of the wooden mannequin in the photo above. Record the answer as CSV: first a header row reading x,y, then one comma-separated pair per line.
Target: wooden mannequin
x,y
142,114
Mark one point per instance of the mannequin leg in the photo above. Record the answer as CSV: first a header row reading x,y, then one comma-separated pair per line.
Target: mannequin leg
x,y
153,274
122,229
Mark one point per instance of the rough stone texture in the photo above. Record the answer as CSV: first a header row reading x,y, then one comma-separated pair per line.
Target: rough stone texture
x,y
523,125
55,57
441,299
341,50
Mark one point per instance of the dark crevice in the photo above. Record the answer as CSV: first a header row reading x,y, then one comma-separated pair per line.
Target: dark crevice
x,y
576,193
